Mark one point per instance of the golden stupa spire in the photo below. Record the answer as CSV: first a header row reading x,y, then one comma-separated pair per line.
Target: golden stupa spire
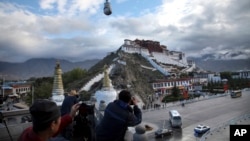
x,y
58,91
106,80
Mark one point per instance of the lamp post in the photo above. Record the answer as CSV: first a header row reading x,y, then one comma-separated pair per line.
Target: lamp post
x,y
3,83
32,93
3,86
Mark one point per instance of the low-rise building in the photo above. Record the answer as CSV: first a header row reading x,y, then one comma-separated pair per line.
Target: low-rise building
x,y
241,74
166,86
15,88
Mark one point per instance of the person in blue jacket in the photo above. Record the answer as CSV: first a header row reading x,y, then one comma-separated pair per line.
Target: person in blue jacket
x,y
118,116
68,102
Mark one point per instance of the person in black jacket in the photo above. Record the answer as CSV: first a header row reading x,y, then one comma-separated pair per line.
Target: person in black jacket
x,y
118,116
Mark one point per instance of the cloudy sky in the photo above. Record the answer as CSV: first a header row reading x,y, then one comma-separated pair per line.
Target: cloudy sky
x,y
77,30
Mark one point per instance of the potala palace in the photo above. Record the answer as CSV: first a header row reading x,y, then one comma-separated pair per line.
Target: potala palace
x,y
159,56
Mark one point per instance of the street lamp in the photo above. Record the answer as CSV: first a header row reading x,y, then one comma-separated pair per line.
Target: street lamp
x,y
32,93
3,86
3,83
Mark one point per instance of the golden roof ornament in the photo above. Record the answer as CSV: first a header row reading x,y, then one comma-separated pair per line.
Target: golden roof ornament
x,y
106,80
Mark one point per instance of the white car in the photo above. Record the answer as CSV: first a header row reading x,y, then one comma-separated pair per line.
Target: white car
x,y
200,129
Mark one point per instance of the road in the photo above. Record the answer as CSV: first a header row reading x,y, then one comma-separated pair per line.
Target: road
x,y
211,112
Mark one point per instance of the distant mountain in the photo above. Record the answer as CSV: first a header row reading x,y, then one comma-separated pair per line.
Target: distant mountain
x,y
219,62
222,65
229,55
40,67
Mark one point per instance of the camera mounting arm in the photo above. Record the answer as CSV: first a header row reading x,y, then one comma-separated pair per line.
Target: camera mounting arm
x,y
107,8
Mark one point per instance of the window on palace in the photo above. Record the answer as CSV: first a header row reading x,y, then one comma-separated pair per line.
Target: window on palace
x,y
155,85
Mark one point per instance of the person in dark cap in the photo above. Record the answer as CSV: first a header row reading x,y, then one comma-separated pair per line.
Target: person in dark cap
x,y
47,121
118,116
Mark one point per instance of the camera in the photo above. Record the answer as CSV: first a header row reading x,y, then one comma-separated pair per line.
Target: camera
x,y
84,124
107,8
86,109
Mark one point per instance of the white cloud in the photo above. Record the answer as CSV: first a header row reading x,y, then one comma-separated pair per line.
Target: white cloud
x,y
71,7
76,29
47,4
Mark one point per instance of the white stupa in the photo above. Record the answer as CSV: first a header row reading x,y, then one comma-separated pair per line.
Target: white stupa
x,y
107,94
58,91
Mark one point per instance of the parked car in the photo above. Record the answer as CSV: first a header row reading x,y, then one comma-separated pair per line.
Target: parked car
x,y
163,132
200,129
196,93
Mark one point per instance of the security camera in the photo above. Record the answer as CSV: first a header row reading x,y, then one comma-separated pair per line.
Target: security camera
x,y
107,8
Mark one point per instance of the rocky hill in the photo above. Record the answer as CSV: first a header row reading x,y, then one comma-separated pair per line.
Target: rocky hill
x,y
128,73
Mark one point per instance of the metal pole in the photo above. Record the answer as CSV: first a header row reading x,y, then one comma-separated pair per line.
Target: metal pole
x,y
32,94
3,86
8,130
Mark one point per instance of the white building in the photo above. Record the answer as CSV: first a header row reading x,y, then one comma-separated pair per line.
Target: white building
x,y
214,77
155,51
241,74
15,88
166,86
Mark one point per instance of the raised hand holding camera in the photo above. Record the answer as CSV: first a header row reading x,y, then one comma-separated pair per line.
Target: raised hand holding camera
x,y
134,101
74,109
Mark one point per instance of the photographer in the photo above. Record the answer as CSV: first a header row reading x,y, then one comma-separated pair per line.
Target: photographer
x,y
118,116
68,102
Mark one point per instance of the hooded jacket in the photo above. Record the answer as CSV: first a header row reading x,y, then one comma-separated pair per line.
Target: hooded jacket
x,y
118,116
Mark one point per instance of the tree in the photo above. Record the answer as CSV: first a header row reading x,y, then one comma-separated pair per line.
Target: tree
x,y
226,75
184,75
191,74
42,89
175,91
73,75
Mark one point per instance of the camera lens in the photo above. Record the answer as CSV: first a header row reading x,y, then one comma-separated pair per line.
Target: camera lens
x,y
107,8
107,11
